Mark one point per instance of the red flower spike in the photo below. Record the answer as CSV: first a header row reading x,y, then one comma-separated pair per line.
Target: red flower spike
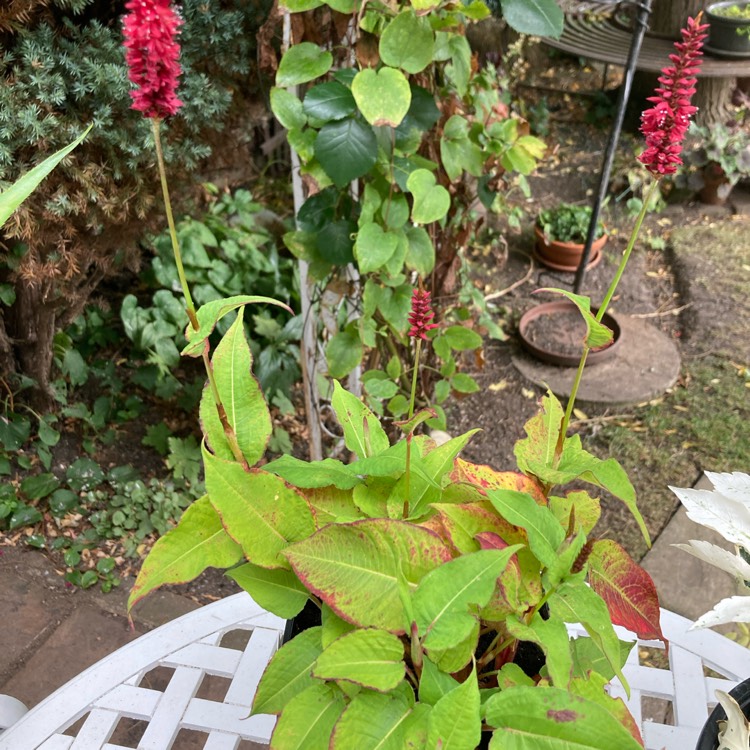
x,y
664,125
420,317
152,55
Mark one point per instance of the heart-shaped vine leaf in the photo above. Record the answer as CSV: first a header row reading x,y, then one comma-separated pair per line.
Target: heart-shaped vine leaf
x,y
407,42
535,17
346,149
383,96
302,63
374,247
431,201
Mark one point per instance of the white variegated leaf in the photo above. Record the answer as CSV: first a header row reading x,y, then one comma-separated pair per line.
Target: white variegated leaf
x,y
721,558
718,512
734,609
734,485
734,733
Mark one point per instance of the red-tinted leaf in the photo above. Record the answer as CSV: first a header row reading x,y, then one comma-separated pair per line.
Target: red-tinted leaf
x,y
626,588
464,522
487,478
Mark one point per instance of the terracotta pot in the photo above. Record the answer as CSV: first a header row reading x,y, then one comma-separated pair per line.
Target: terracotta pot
x,y
564,309
565,256
716,187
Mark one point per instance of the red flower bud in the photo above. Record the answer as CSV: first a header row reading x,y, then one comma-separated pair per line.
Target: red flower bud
x,y
421,315
152,55
664,125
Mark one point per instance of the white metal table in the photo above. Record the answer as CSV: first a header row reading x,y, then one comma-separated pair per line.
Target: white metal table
x,y
84,713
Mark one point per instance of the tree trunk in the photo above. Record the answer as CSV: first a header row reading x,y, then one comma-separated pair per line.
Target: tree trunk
x,y
30,327
669,16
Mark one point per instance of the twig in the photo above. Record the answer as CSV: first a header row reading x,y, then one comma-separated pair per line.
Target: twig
x,y
591,420
662,313
514,285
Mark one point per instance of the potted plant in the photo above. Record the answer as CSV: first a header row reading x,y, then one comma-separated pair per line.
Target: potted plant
x,y
718,160
725,510
561,234
729,33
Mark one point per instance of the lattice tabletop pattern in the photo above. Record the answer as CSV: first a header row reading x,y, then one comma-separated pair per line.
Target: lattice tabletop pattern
x,y
670,694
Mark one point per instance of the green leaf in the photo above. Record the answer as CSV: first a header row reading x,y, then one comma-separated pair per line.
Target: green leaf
x,y
374,247
329,101
302,63
259,510
552,637
75,368
374,722
61,502
534,17
333,626
420,256
334,242
407,42
307,721
370,658
23,515
363,433
84,474
278,591
461,338
197,542
346,149
355,568
431,201
434,684
7,294
383,96
458,152
289,672
39,486
554,719
464,383
12,197
343,352
544,531
241,397
543,431
48,434
455,722
597,334
287,108
325,473
212,312
443,598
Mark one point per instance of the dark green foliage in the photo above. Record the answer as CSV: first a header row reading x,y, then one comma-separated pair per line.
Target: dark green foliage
x,y
567,223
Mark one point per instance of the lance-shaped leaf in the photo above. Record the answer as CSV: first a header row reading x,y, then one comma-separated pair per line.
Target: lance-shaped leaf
x,y
597,334
574,602
197,542
13,196
370,658
444,598
588,658
331,505
543,530
552,637
434,684
241,397
568,559
279,591
316,474
354,568
552,718
729,562
543,430
576,510
454,722
212,312
627,589
288,673
594,688
333,626
363,433
457,657
374,722
259,510
486,478
463,522
436,464
307,721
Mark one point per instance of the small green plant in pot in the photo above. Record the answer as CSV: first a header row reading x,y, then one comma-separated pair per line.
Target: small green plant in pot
x,y
429,571
729,28
561,234
717,161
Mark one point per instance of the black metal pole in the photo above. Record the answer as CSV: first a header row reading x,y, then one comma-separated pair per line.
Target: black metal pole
x,y
641,25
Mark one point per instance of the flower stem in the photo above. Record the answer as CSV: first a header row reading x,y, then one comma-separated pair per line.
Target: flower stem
x,y
410,434
155,122
229,432
603,307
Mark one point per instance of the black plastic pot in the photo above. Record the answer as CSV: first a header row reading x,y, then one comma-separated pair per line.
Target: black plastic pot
x,y
724,39
709,737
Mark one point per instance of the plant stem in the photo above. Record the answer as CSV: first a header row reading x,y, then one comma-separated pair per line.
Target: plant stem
x,y
192,315
605,304
410,434
155,122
